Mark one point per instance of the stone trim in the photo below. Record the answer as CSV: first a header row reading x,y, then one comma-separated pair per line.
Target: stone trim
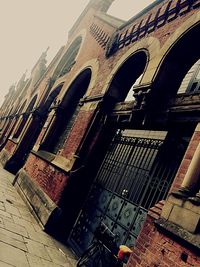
x,y
57,161
180,235
39,203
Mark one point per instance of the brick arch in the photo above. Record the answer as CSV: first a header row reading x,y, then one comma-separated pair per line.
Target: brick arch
x,y
67,112
77,88
93,65
31,104
126,75
176,57
69,56
20,109
51,98
150,46
22,123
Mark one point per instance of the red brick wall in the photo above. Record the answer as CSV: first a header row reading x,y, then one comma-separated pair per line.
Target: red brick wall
x,y
49,178
10,146
80,126
153,249
106,65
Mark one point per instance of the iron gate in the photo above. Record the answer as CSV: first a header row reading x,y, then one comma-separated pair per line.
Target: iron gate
x,y
135,174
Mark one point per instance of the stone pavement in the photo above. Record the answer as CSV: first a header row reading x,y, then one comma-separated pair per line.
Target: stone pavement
x,y
23,243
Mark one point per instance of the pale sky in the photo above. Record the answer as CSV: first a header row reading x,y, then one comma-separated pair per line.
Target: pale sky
x,y
28,27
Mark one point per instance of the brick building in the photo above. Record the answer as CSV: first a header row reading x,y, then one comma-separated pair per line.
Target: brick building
x,y
110,130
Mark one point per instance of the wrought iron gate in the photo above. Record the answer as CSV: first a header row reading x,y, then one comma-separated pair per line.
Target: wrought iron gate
x,y
134,175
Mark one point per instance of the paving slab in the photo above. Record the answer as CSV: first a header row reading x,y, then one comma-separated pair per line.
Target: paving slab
x,y
23,243
12,255
3,264
11,240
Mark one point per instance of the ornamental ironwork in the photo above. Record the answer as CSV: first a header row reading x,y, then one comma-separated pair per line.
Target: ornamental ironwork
x,y
150,23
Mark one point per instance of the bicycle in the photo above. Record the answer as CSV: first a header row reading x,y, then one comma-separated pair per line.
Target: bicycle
x,y
103,251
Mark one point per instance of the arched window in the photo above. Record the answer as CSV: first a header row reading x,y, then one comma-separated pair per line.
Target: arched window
x,y
25,118
15,121
66,113
68,60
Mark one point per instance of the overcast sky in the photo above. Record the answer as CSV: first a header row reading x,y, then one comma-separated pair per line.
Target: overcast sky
x,y
28,27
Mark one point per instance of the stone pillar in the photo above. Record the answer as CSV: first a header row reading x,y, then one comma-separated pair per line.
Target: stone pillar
x,y
193,172
192,176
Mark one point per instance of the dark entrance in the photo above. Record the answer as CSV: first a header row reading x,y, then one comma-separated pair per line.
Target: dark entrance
x,y
32,131
136,173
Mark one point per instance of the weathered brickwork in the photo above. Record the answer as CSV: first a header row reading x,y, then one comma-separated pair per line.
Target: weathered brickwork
x,y
10,146
110,56
153,249
163,14
50,179
83,120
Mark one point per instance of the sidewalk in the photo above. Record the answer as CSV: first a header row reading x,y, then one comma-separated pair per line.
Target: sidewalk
x,y
22,241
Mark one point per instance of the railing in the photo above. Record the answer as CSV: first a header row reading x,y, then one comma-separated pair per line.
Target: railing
x,y
164,14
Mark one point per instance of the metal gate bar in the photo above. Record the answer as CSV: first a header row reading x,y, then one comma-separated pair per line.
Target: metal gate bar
x,y
134,175
132,158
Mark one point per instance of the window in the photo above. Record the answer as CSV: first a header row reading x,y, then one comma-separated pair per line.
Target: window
x,y
68,60
66,113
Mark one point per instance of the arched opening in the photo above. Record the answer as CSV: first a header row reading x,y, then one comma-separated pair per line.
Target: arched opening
x,y
20,110
6,128
128,75
31,134
7,120
177,62
3,138
130,96
68,60
98,141
9,131
124,178
51,98
66,113
25,117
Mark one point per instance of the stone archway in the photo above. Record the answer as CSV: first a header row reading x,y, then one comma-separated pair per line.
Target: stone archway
x,y
176,62
126,75
66,113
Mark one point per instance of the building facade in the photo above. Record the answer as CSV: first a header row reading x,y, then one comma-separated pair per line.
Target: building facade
x,y
110,131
